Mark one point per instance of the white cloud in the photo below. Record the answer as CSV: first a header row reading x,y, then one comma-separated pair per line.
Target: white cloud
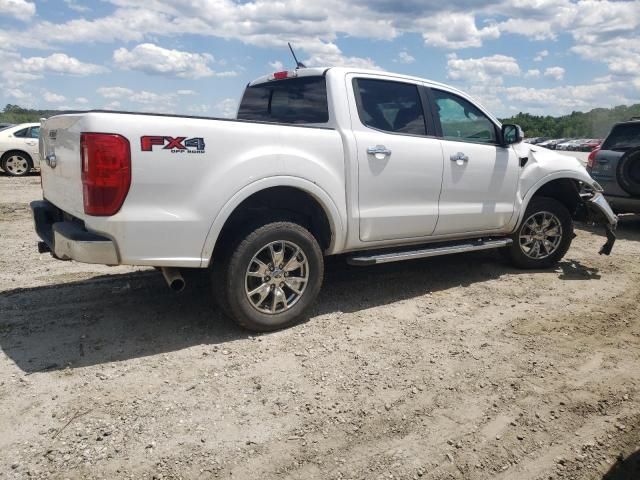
x,y
532,73
17,93
77,7
405,57
557,73
82,100
143,99
484,69
57,63
152,59
277,65
20,9
51,97
328,54
199,109
114,92
186,92
455,30
541,55
226,108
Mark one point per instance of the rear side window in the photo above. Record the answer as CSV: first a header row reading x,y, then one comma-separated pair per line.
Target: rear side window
x,y
21,133
623,137
390,106
297,101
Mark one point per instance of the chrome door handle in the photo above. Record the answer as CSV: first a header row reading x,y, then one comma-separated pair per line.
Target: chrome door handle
x,y
379,150
459,157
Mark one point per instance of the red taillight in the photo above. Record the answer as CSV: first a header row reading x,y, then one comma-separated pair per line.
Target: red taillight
x,y
106,172
280,75
591,159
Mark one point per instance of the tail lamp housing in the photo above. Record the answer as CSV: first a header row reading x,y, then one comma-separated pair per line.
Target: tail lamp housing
x,y
106,172
591,159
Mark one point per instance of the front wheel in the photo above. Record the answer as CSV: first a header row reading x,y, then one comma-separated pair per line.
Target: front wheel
x,y
271,277
544,236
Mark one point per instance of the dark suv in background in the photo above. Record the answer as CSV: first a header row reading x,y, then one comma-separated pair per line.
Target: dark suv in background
x,y
616,166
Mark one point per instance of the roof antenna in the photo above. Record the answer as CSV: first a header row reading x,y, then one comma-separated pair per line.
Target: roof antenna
x,y
298,64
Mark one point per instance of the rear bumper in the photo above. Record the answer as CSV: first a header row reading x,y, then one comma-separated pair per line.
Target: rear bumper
x,y
624,204
70,240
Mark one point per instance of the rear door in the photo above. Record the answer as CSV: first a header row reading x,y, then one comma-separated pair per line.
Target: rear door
x,y
480,177
399,162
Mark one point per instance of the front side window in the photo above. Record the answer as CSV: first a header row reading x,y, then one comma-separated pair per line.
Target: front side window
x,y
461,120
34,132
296,101
390,106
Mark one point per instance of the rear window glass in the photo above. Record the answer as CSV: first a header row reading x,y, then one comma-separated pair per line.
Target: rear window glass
x,y
623,136
297,101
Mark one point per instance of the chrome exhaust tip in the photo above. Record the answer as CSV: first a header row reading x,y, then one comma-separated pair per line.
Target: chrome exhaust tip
x,y
174,278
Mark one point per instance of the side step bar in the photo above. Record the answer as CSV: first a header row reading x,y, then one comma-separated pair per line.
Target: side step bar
x,y
434,251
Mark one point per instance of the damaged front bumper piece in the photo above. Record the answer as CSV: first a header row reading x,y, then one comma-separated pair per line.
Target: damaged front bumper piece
x,y
599,211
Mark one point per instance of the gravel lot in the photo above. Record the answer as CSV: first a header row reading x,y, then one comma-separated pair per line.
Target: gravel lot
x,y
457,367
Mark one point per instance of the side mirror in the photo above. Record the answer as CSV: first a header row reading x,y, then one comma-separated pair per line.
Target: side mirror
x,y
511,134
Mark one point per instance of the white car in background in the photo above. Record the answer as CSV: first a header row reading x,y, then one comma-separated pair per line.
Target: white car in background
x,y
19,149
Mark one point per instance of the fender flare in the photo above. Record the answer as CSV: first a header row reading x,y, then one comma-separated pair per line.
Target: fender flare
x,y
336,220
562,174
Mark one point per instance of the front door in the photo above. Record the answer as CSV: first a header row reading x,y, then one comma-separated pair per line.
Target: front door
x,y
399,166
480,176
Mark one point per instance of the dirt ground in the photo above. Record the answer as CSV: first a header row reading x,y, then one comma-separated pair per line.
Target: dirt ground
x,y
451,368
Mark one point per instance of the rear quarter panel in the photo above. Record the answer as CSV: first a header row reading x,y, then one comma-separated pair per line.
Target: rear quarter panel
x,y
176,203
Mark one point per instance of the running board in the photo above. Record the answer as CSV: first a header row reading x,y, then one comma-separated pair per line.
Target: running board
x,y
435,251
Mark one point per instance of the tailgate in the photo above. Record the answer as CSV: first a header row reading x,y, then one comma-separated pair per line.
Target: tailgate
x,y
60,162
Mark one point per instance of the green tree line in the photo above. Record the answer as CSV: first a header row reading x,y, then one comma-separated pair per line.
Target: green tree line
x,y
16,114
593,124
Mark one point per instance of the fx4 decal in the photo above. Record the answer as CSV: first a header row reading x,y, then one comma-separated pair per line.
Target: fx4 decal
x,y
176,145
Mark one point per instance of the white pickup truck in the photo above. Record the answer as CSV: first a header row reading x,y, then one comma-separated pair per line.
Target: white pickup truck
x,y
319,161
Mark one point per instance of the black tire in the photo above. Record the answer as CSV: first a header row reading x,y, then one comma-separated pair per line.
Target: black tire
x,y
12,172
517,252
230,281
628,172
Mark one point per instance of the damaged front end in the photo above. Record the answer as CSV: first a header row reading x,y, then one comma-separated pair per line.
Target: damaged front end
x,y
596,210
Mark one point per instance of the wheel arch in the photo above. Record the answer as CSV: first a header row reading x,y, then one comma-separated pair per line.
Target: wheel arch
x,y
329,227
563,187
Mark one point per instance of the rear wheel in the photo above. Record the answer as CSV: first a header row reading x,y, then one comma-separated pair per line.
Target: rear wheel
x,y
270,278
544,236
16,164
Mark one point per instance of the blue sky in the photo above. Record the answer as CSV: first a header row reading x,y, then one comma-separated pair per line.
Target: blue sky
x,y
195,57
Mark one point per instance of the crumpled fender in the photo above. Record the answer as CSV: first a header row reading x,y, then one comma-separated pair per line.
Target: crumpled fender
x,y
544,166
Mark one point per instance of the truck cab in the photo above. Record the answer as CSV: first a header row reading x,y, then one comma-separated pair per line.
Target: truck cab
x,y
378,166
